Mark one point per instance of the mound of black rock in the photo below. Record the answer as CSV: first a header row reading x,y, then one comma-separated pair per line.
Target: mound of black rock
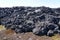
x,y
39,20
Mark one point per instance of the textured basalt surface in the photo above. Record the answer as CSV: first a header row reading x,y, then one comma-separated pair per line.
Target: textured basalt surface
x,y
39,20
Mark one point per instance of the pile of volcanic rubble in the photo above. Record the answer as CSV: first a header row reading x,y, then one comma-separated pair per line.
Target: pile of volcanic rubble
x,y
38,20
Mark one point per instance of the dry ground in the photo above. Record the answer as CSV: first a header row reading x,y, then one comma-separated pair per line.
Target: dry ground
x,y
6,35
11,35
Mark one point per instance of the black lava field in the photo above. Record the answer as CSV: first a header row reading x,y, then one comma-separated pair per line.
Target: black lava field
x,y
38,20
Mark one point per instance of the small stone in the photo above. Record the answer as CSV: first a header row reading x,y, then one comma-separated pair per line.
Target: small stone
x,y
5,38
30,39
38,10
50,33
59,23
19,37
36,30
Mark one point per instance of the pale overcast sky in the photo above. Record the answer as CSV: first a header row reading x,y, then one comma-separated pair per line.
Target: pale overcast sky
x,y
33,3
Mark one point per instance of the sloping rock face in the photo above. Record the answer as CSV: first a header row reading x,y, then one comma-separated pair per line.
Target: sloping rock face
x,y
39,20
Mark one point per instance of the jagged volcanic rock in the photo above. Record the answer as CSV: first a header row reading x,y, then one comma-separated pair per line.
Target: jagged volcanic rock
x,y
39,20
